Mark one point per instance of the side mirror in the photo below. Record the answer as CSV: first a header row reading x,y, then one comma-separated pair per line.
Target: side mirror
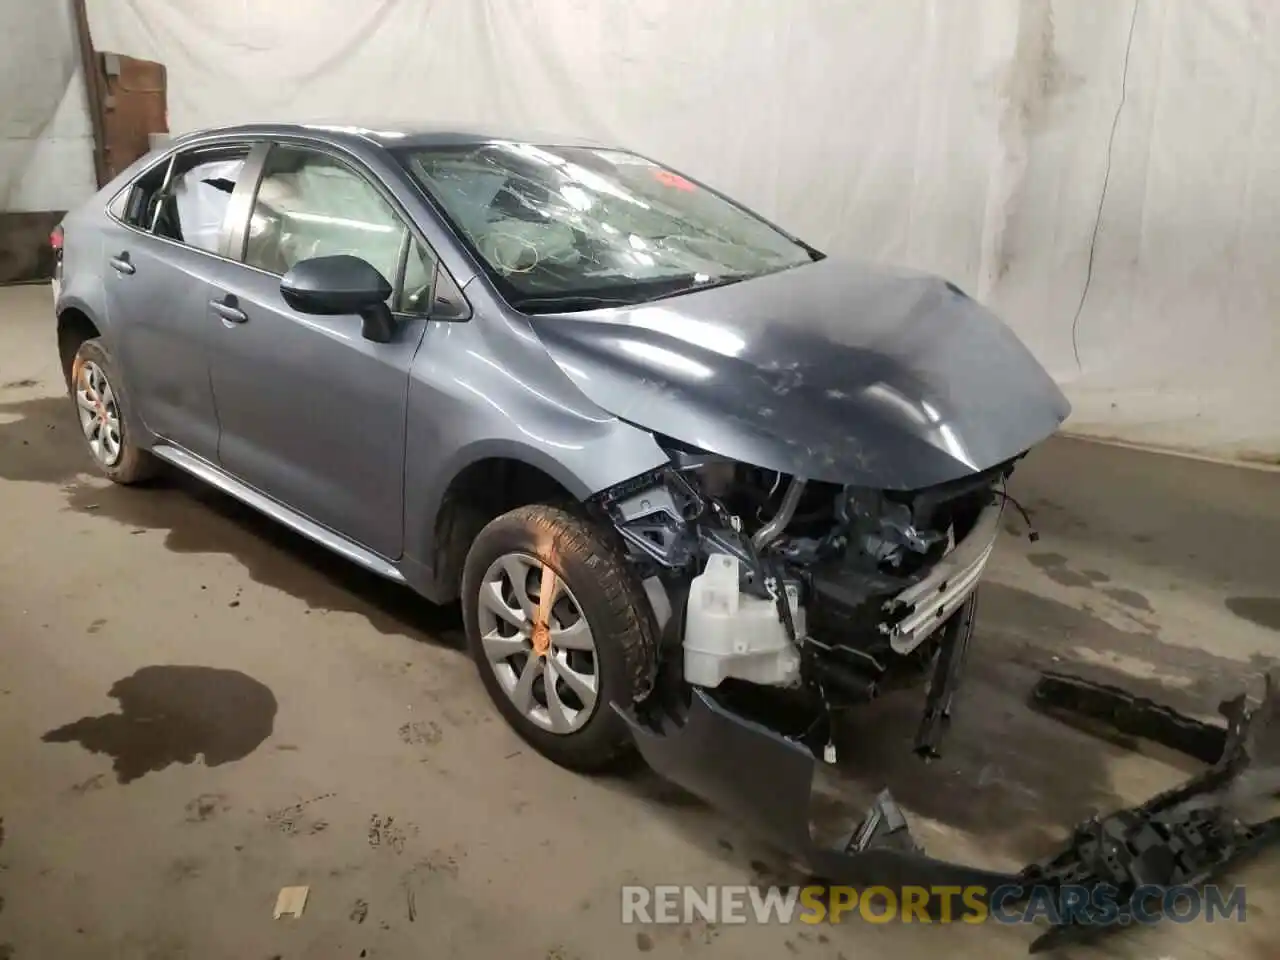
x,y
332,286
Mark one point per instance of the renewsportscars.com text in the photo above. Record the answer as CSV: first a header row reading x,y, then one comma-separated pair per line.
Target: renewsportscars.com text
x,y
1101,906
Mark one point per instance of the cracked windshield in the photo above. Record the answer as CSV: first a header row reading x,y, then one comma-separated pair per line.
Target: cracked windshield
x,y
572,228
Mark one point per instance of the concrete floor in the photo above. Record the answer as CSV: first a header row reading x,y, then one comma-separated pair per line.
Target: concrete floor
x,y
334,735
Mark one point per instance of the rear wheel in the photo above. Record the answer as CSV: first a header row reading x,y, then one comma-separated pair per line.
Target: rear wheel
x,y
99,400
560,630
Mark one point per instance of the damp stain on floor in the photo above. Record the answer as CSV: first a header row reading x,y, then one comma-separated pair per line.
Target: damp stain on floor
x,y
1130,598
1264,611
176,714
1055,566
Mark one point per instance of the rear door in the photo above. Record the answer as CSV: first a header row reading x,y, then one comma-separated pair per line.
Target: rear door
x,y
312,414
163,246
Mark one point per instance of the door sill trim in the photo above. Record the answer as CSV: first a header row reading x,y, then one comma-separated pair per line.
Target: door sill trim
x,y
220,479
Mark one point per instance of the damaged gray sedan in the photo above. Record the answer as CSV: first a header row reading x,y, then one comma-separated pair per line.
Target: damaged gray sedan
x,y
696,484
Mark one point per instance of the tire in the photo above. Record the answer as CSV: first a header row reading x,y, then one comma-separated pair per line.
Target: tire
x,y
130,464
603,591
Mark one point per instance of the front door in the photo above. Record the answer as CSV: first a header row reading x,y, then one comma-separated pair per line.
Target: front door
x,y
312,414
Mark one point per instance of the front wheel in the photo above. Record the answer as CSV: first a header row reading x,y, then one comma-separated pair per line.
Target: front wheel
x,y
560,629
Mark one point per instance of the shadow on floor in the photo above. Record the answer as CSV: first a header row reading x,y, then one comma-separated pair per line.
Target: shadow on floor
x,y
42,444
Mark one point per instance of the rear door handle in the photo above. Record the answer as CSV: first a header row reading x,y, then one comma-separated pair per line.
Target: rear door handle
x,y
227,312
120,263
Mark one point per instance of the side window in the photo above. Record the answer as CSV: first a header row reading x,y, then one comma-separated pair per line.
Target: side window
x,y
197,200
417,287
186,199
142,195
311,205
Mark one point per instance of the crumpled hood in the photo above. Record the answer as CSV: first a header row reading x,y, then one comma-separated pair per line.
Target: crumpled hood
x,y
834,371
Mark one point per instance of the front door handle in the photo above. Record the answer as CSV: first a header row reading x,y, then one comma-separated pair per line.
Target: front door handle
x,y
227,312
120,263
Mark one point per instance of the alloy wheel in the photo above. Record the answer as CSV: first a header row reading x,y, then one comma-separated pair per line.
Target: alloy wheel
x,y
538,642
99,414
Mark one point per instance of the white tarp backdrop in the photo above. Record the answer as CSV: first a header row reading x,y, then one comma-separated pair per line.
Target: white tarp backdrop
x,y
46,144
1104,173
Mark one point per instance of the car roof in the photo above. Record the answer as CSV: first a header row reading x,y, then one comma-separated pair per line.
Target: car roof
x,y
392,135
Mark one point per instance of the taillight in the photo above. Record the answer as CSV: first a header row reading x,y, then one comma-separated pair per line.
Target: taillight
x,y
55,239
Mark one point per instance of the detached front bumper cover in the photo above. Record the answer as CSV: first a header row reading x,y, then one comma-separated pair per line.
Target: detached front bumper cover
x,y
1181,837
765,781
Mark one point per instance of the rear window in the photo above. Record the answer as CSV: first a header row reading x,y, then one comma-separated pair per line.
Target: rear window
x,y
186,198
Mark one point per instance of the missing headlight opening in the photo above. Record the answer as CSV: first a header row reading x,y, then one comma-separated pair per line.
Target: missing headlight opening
x,y
770,582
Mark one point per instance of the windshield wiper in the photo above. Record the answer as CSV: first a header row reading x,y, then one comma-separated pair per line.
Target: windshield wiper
x,y
645,291
568,302
694,286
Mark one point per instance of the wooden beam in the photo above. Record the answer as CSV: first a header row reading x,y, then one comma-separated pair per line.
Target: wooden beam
x,y
93,87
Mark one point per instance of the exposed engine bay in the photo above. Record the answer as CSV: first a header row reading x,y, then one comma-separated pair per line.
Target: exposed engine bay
x,y
766,582
771,580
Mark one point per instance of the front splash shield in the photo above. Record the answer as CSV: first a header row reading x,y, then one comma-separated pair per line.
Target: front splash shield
x,y
765,781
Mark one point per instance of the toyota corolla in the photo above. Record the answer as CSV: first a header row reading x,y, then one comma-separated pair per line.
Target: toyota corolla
x,y
679,465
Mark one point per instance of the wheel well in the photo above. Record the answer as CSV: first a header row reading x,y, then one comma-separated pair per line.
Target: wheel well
x,y
74,328
481,491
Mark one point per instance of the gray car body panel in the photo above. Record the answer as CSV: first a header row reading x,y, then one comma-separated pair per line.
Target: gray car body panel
x,y
162,339
364,439
832,370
